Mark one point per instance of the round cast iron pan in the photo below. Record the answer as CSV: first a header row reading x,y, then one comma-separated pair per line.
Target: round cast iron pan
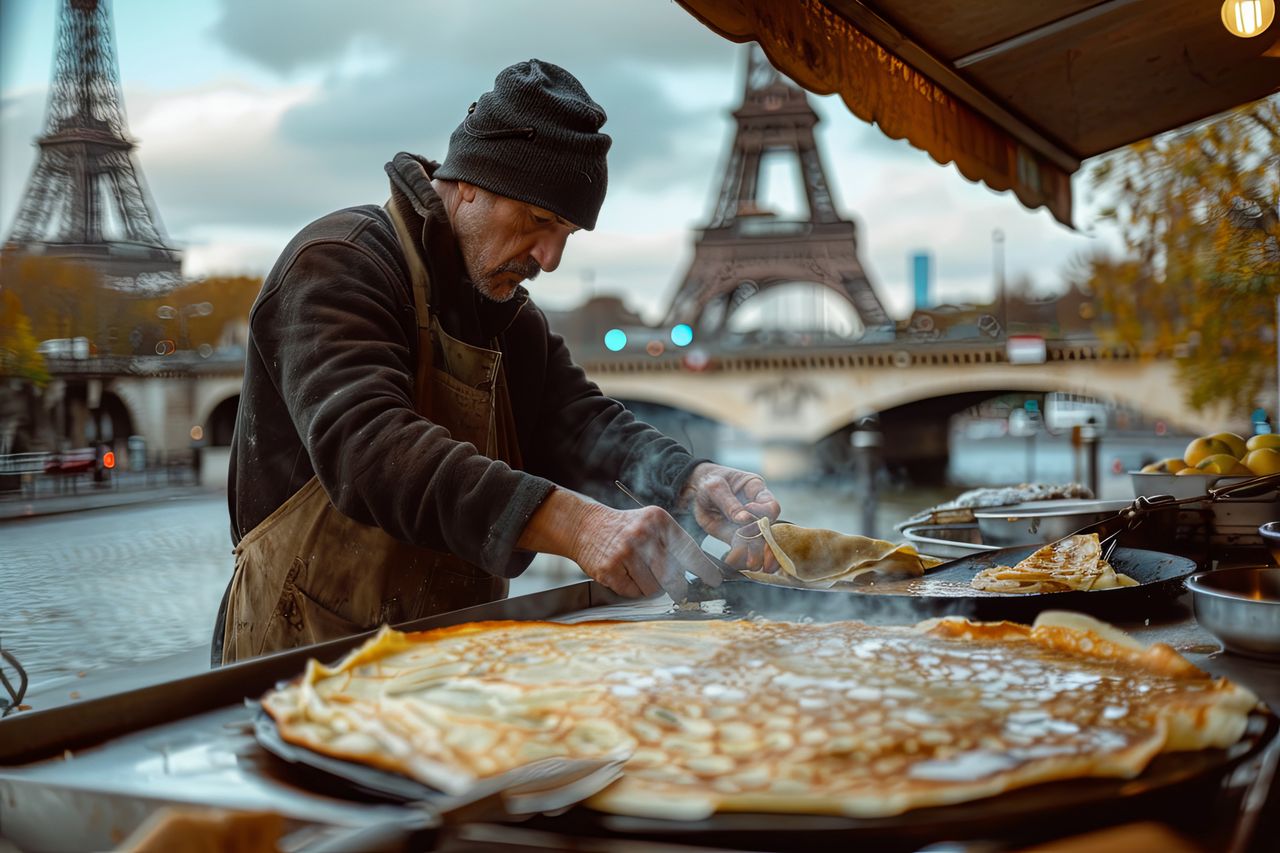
x,y
1159,578
1178,788
1178,783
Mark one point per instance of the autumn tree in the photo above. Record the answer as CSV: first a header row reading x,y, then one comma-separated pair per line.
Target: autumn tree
x,y
19,357
64,299
1199,212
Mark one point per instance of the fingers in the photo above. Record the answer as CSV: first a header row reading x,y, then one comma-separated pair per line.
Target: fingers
x,y
724,498
749,554
622,583
638,572
765,504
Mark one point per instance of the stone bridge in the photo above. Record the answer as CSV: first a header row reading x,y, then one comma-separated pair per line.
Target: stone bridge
x,y
787,400
804,395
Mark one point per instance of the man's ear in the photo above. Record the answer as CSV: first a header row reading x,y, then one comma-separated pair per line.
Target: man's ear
x,y
467,192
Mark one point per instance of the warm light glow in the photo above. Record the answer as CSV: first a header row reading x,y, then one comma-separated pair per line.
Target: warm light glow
x,y
655,348
1248,18
108,460
197,432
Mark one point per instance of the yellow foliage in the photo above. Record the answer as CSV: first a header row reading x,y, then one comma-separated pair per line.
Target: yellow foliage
x,y
18,354
1199,211
66,300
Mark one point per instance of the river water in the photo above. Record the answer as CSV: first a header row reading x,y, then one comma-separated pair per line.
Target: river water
x,y
87,590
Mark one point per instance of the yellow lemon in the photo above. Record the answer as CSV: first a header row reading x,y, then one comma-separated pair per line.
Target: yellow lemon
x,y
1264,460
1164,466
1202,448
1223,463
1235,442
1267,439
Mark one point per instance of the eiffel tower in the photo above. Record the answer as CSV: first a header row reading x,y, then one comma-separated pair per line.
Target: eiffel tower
x,y
86,200
745,249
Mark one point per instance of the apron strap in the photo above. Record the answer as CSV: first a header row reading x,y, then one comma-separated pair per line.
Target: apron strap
x,y
421,281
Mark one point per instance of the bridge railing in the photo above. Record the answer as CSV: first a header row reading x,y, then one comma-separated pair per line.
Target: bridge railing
x,y
887,356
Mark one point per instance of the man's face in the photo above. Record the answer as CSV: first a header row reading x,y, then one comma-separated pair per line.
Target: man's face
x,y
505,242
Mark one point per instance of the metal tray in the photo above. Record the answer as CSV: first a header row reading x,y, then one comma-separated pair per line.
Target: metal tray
x,y
945,590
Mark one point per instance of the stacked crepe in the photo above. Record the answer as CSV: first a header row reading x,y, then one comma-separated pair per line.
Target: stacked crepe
x,y
814,558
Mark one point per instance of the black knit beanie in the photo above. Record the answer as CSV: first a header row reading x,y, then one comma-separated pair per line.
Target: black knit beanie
x,y
535,138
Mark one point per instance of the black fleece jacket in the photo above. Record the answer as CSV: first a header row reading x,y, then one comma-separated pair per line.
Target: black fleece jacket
x,y
328,390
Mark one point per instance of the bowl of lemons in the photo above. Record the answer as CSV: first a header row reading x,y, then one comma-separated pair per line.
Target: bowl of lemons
x,y
1208,461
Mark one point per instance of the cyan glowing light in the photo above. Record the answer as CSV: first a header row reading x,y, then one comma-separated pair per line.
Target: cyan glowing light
x,y
681,335
615,340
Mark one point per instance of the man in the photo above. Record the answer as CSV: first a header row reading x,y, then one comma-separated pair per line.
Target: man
x,y
410,432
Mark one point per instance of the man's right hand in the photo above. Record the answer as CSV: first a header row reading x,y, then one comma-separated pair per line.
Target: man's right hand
x,y
636,552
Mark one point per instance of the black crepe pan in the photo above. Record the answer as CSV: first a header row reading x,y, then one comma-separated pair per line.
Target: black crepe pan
x,y
945,590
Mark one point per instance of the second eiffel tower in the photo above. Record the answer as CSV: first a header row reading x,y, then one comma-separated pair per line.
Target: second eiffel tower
x,y
745,250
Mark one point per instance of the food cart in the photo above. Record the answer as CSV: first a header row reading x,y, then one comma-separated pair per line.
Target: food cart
x,y
1016,95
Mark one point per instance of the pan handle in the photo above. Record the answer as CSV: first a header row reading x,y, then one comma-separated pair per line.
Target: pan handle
x,y
1246,488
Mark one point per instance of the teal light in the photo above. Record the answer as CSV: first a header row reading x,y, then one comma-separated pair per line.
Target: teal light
x,y
615,340
681,335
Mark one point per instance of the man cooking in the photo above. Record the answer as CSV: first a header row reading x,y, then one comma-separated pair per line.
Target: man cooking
x,y
410,432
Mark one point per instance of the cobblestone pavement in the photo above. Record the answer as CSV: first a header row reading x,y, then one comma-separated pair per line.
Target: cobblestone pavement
x,y
112,586
129,584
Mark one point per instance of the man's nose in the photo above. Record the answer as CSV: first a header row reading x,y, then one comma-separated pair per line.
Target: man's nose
x,y
548,250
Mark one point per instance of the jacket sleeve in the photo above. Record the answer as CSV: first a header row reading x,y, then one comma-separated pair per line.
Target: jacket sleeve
x,y
337,347
590,440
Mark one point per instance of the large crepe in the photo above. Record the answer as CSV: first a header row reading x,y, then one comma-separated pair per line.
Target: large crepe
x,y
746,715
820,559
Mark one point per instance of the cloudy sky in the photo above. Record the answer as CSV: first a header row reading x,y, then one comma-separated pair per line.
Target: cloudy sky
x,y
255,117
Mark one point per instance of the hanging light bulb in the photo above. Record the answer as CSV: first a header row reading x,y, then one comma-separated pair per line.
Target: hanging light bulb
x,y
1248,18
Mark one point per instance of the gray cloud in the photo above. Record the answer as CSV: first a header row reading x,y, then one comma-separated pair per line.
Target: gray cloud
x,y
286,35
432,62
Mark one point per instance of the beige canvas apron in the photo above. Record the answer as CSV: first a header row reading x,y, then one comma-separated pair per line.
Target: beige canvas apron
x,y
308,573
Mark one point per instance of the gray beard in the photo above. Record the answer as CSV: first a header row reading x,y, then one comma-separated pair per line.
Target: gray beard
x,y
486,291
529,271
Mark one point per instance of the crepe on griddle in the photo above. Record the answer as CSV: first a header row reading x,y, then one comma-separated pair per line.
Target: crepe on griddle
x,y
765,716
1073,563
819,559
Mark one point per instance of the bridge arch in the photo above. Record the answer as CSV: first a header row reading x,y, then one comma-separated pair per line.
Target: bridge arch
x,y
211,393
1149,387
116,421
221,422
789,307
806,397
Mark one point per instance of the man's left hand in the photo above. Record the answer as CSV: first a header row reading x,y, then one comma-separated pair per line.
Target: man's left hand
x,y
724,500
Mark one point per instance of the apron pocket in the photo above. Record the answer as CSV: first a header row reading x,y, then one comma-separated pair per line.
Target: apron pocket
x,y
319,623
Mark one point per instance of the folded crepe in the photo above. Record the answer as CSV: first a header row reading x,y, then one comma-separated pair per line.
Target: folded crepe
x,y
819,559
1072,563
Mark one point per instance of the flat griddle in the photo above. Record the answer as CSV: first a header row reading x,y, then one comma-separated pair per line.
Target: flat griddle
x,y
945,590
1031,813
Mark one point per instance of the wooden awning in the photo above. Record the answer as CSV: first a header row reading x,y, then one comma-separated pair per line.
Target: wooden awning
x,y
1015,93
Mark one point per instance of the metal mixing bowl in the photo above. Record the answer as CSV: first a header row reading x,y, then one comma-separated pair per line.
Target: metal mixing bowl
x,y
1041,522
1241,607
1270,533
